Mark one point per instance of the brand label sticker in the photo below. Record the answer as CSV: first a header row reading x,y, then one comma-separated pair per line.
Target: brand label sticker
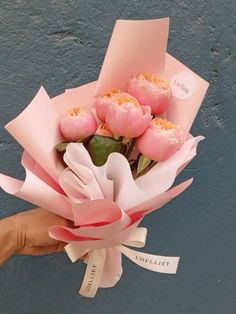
x,y
183,85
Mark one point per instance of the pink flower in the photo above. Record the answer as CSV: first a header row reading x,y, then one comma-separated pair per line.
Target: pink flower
x,y
128,119
103,130
79,122
150,91
161,140
111,98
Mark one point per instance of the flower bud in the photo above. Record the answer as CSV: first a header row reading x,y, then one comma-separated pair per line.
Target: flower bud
x,y
150,91
161,140
78,122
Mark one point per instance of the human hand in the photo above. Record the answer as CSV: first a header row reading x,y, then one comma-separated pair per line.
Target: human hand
x,y
32,232
27,233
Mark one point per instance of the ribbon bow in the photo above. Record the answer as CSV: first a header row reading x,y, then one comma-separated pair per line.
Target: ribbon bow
x,y
96,260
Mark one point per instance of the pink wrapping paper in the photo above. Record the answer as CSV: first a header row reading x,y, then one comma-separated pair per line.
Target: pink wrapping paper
x,y
106,197
135,47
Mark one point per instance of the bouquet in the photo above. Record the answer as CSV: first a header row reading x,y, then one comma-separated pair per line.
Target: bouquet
x,y
106,154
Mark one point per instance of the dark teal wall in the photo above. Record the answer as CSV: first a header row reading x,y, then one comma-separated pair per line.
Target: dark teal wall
x,y
61,44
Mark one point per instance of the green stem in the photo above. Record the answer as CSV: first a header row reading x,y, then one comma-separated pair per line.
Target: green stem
x,y
130,148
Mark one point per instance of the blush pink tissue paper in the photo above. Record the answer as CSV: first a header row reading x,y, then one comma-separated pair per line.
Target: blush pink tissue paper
x,y
105,203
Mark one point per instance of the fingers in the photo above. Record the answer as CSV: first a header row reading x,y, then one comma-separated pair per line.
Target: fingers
x,y
43,250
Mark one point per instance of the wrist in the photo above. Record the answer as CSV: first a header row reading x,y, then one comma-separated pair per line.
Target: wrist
x,y
11,238
18,232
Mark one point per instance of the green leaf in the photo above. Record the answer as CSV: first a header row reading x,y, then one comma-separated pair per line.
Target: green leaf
x,y
61,147
100,147
126,141
84,140
143,163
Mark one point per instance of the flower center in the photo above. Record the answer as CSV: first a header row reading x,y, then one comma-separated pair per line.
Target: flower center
x,y
112,92
75,111
123,99
120,97
154,79
163,124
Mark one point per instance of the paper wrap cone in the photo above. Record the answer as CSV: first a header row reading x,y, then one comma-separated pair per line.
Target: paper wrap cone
x,y
106,203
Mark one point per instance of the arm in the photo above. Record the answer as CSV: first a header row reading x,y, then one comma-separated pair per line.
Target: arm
x,y
27,233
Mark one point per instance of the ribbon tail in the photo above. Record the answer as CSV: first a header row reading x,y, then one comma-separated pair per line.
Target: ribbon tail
x,y
157,263
93,274
113,268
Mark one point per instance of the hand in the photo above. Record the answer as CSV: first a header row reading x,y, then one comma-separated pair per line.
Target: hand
x,y
32,232
27,233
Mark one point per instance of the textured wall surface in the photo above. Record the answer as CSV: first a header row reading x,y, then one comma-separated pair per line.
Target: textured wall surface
x,y
61,44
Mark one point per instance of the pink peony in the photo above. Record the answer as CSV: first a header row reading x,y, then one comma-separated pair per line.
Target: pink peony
x,y
111,98
103,131
150,91
161,140
78,122
128,119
